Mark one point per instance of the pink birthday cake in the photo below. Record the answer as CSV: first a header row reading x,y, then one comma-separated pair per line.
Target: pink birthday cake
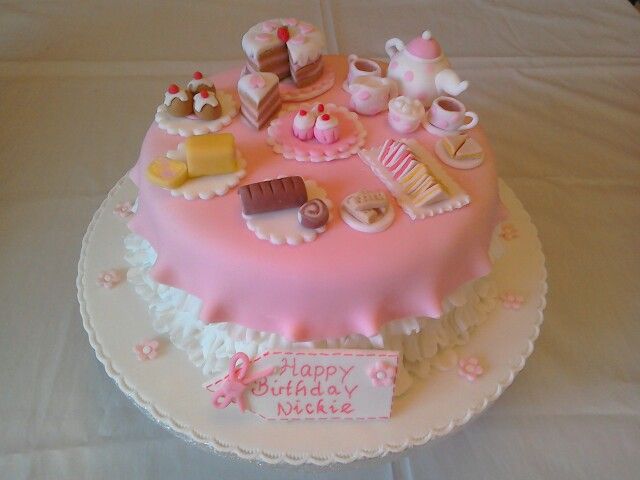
x,y
362,215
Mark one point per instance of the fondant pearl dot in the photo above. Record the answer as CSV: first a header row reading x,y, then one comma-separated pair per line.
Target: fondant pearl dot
x,y
380,375
146,349
408,75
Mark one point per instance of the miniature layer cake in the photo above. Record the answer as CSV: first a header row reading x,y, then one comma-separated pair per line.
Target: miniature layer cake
x,y
216,288
285,47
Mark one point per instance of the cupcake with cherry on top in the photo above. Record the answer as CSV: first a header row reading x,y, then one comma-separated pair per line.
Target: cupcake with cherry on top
x,y
206,105
303,124
179,102
326,129
199,83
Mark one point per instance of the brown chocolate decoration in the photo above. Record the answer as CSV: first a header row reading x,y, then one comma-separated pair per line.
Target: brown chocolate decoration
x,y
313,214
271,195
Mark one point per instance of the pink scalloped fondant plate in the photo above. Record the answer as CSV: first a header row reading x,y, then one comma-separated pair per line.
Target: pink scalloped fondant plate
x,y
169,387
290,93
352,135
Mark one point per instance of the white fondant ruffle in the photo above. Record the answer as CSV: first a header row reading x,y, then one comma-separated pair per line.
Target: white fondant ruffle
x,y
424,343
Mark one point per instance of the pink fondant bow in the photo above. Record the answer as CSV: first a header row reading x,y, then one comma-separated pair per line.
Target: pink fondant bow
x,y
232,388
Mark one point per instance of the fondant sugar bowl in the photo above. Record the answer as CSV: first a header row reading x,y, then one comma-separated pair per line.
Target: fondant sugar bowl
x,y
405,114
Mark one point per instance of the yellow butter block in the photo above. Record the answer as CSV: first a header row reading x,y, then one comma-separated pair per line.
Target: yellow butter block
x,y
167,173
212,154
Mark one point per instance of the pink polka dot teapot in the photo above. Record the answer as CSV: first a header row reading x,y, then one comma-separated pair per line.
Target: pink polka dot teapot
x,y
421,70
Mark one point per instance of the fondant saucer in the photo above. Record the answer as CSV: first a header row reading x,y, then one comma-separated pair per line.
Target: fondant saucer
x,y
290,93
440,132
380,226
169,388
442,154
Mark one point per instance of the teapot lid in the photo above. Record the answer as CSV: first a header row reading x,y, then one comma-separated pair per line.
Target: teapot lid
x,y
424,47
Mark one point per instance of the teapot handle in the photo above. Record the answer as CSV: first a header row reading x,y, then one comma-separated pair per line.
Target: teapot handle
x,y
393,46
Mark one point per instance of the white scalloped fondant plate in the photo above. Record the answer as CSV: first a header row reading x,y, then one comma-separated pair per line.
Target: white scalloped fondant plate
x,y
169,387
282,226
191,125
209,186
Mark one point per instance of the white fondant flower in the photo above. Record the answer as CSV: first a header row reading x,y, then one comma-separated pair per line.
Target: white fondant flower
x,y
110,278
470,368
382,374
511,300
508,232
123,210
146,350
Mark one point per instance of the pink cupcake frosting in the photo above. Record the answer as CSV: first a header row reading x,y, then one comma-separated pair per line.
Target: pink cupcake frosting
x,y
326,128
303,124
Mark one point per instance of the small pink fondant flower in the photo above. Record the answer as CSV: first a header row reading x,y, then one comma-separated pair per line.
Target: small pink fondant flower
x,y
511,300
110,278
382,374
470,368
123,210
508,232
146,350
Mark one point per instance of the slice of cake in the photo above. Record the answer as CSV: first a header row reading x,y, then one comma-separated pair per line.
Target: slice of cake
x,y
285,47
470,150
259,97
453,142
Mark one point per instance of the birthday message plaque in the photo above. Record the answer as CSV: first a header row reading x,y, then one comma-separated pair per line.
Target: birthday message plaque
x,y
310,384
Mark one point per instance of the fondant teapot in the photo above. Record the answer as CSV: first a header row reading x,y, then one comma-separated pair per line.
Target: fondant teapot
x,y
421,69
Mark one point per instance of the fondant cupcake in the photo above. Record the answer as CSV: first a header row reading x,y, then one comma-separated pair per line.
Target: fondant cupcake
x,y
326,129
206,105
303,124
199,83
179,102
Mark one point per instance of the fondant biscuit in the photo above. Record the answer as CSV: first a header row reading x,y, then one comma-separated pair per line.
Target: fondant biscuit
x,y
270,195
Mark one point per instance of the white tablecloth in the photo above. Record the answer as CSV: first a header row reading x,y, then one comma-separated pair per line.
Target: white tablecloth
x,y
557,86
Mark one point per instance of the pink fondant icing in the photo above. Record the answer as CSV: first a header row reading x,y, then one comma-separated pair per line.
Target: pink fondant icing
x,y
344,282
425,48
408,75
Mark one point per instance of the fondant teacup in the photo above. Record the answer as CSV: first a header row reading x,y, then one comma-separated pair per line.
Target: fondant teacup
x,y
405,114
449,114
370,95
361,67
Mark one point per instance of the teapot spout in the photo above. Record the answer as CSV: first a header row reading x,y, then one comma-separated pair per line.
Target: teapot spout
x,y
447,81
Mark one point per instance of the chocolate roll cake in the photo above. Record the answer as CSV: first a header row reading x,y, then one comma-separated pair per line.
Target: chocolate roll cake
x,y
271,195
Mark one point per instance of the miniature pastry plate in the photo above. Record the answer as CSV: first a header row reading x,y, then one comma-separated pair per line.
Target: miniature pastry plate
x,y
169,388
442,154
281,138
282,226
209,186
192,125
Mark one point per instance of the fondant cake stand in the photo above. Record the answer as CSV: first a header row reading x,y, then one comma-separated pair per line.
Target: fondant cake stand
x,y
169,388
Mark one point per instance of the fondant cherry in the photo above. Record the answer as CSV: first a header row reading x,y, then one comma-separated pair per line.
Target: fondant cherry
x,y
302,113
325,117
320,107
283,34
197,75
204,94
173,89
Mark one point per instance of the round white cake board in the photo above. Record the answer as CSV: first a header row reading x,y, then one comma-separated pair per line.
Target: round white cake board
x,y
169,388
